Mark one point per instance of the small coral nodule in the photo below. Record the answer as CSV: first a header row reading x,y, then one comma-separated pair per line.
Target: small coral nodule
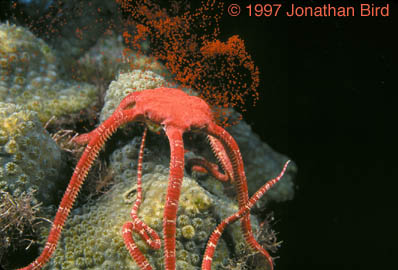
x,y
188,231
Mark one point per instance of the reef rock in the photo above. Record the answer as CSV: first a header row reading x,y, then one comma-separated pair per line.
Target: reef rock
x,y
30,160
126,83
92,236
29,76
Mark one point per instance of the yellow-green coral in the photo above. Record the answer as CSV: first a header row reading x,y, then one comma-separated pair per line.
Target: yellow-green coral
x,y
126,83
196,217
183,220
96,227
29,76
30,159
188,231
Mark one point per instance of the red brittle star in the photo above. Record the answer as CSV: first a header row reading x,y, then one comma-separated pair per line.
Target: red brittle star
x,y
176,112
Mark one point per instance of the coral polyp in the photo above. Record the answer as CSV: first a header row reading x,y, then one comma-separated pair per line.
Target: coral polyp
x,y
29,76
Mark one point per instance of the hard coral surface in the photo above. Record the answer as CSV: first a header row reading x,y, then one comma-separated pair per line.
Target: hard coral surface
x,y
126,83
29,76
92,236
29,158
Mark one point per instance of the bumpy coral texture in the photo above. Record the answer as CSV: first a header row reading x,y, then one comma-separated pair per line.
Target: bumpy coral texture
x,y
123,161
136,80
29,158
29,76
124,165
92,236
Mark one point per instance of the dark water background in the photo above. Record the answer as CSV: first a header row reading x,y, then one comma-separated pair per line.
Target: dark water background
x,y
327,102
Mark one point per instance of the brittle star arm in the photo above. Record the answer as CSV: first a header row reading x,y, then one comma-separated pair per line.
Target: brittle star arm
x,y
239,178
215,236
204,166
137,225
219,151
176,174
97,140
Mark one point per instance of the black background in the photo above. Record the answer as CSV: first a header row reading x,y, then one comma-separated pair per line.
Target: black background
x,y
327,102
